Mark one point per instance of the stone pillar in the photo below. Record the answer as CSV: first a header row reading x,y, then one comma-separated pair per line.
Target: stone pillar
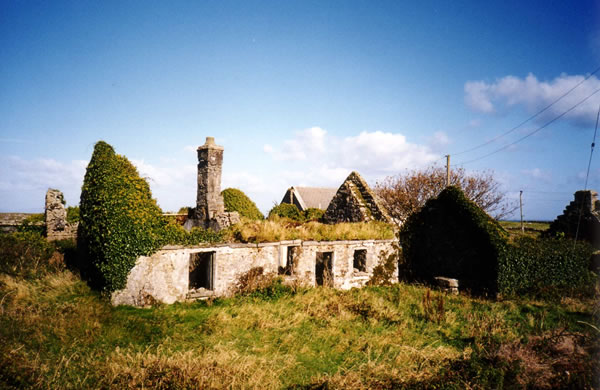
x,y
209,202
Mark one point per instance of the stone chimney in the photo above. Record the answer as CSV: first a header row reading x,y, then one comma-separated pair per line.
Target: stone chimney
x,y
210,209
209,202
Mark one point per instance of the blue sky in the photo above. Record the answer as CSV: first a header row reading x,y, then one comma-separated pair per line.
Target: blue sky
x,y
298,93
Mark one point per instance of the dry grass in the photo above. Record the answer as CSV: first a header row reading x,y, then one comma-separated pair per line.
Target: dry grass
x,y
56,333
279,229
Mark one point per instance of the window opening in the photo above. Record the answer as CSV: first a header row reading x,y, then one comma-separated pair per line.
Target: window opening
x,y
290,261
360,260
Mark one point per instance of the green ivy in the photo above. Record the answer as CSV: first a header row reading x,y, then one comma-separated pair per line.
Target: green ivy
x,y
236,200
452,237
119,220
537,267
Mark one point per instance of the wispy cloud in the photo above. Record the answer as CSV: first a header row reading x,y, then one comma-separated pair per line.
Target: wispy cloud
x,y
316,158
534,95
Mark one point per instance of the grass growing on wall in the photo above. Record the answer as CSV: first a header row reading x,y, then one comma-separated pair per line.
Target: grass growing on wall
x,y
57,333
278,229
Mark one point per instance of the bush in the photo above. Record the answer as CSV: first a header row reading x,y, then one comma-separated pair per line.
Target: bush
x,y
119,219
27,254
258,284
236,200
313,214
451,236
34,223
538,267
286,210
73,214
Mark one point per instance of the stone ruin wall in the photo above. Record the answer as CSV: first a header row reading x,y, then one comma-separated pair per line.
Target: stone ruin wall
x,y
355,202
164,276
587,205
57,227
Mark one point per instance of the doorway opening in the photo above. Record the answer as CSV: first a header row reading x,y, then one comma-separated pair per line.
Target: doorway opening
x,y
324,269
201,270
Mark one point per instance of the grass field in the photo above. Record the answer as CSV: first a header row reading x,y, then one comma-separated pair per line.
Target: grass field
x,y
532,228
57,333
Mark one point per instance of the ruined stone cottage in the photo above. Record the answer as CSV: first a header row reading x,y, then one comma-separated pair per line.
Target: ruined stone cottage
x,y
177,273
581,217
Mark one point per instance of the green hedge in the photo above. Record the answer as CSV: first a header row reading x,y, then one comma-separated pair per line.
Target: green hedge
x,y
236,200
534,267
452,237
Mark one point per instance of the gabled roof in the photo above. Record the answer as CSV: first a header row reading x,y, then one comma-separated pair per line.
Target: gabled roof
x,y
354,201
309,197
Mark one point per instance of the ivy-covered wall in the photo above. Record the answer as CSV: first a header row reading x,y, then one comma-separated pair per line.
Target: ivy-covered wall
x,y
119,220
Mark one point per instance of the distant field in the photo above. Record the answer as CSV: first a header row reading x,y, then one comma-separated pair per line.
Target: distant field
x,y
57,333
532,228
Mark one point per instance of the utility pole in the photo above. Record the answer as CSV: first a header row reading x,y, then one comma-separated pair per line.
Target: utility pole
x,y
447,170
521,207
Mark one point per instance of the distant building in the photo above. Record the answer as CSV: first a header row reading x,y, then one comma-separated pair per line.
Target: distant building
x,y
309,197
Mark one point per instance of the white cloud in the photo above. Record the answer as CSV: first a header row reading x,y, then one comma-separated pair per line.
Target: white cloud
x,y
534,95
25,182
316,158
538,174
438,140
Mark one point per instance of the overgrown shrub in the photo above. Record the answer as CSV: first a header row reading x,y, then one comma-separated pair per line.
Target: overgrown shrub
x,y
451,236
534,267
313,214
73,214
27,254
119,219
236,200
286,210
258,284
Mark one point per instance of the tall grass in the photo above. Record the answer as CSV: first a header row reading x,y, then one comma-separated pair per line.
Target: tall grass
x,y
279,229
57,333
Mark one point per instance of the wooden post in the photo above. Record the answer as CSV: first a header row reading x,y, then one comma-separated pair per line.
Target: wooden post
x,y
521,207
447,170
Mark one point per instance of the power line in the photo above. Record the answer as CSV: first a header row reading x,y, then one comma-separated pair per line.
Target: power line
x,y
587,175
533,132
530,118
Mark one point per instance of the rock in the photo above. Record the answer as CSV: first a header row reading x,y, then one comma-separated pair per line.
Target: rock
x,y
447,284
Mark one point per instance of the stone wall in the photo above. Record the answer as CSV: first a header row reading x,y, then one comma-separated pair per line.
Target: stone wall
x,y
57,227
355,202
9,222
584,211
164,276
